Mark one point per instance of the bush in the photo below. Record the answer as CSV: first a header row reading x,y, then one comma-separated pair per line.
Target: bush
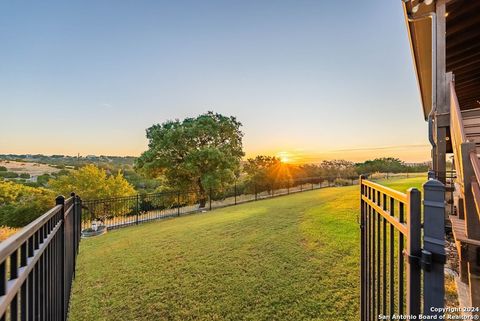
x,y
342,182
6,232
3,169
25,175
19,204
43,179
8,175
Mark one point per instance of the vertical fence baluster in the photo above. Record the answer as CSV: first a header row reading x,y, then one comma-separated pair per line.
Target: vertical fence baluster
x,y
414,248
3,283
138,209
384,257
392,260
400,296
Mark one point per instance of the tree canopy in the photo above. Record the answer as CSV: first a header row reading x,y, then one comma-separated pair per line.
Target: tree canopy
x,y
388,165
201,153
19,204
92,182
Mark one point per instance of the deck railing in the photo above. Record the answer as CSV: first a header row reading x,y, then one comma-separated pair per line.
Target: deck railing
x,y
466,225
457,132
37,265
397,253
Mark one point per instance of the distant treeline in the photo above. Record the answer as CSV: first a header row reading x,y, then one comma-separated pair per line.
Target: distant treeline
x,y
63,161
390,165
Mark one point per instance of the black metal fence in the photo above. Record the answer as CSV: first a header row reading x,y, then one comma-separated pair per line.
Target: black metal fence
x,y
131,210
37,264
399,254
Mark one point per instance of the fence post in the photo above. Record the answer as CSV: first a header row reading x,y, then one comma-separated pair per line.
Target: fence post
x,y
74,230
288,188
79,222
138,209
255,189
60,200
433,254
178,203
363,272
413,251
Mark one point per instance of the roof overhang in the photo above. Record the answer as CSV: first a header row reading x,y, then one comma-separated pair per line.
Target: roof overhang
x,y
462,49
420,28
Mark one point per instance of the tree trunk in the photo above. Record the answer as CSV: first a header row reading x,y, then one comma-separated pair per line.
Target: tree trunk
x,y
202,195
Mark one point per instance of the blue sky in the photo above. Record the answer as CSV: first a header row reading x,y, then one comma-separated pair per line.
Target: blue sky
x,y
314,79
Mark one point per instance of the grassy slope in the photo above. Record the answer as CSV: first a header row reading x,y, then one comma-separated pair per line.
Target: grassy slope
x,y
289,258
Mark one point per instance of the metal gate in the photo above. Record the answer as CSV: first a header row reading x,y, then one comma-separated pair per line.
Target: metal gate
x,y
399,254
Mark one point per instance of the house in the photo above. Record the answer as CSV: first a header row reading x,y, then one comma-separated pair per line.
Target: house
x,y
445,43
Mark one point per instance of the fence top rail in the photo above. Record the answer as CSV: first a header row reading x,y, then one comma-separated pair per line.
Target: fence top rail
x,y
12,243
456,119
401,197
189,191
400,226
133,197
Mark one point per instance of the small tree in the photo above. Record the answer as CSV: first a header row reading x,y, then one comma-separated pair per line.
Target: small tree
x,y
268,172
91,182
202,153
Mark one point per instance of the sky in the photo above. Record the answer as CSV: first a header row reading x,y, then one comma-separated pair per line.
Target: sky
x,y
309,80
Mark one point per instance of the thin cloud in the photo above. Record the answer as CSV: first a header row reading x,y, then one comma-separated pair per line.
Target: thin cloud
x,y
106,105
379,148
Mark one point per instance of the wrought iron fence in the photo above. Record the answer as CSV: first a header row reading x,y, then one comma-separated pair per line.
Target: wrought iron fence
x,y
131,210
37,264
399,254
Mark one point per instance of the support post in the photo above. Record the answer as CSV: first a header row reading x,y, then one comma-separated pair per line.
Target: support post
x,y
474,277
472,223
433,254
472,227
413,251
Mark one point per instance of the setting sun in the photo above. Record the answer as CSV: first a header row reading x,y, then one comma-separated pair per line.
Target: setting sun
x,y
284,157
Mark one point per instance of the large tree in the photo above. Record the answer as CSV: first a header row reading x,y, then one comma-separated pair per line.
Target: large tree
x,y
202,153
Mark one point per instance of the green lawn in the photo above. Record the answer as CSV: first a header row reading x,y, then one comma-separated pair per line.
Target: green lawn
x,y
289,258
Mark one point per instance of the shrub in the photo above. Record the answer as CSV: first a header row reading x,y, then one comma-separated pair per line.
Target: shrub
x,y
19,204
6,232
8,175
3,169
42,180
342,182
25,175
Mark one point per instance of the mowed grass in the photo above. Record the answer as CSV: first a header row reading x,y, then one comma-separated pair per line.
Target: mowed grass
x,y
289,258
